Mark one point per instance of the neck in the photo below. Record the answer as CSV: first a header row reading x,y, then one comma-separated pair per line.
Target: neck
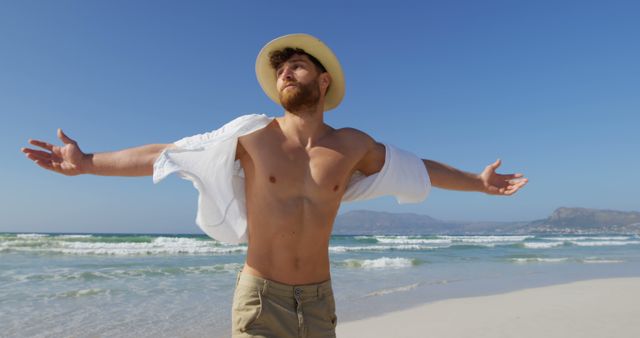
x,y
304,127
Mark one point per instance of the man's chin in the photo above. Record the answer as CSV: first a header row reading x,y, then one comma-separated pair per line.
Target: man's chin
x,y
294,107
288,96
296,99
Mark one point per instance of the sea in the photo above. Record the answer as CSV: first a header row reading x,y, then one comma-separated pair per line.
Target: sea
x,y
161,285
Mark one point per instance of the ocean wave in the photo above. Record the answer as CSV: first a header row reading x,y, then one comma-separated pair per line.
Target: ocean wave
x,y
380,263
106,274
411,247
542,245
82,293
596,260
121,247
366,239
410,240
392,290
475,245
407,247
539,260
31,235
74,236
486,239
604,243
583,238
442,239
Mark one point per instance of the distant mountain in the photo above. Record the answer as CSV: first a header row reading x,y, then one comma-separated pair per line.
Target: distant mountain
x,y
366,222
562,220
377,223
577,220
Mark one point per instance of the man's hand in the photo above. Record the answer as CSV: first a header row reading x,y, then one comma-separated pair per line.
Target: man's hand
x,y
489,182
497,184
70,160
67,160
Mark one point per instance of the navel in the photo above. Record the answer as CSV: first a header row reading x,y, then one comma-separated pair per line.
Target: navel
x,y
272,179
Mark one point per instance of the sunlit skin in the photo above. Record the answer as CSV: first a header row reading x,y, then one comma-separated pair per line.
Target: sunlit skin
x,y
296,170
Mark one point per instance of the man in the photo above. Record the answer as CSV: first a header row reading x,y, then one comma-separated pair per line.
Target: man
x,y
283,198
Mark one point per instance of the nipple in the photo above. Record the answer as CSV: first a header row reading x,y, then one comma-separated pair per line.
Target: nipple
x,y
272,179
335,188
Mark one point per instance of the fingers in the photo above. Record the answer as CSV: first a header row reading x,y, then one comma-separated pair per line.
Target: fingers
x,y
512,189
48,146
44,164
64,138
46,160
37,154
52,165
509,188
41,144
40,158
51,159
517,180
510,176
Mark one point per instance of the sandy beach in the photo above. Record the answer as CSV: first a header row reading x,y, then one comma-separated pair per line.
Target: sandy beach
x,y
593,308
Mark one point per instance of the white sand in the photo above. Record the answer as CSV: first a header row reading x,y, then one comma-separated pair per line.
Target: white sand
x,y
596,308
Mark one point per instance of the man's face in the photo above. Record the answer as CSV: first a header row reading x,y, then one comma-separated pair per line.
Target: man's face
x,y
297,83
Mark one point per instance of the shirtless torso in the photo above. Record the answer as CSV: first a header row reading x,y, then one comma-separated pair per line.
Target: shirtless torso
x,y
293,195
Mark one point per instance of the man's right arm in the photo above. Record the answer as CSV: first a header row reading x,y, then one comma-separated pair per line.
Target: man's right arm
x,y
136,161
70,160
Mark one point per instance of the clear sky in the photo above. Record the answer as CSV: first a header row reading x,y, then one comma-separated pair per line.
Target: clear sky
x,y
550,87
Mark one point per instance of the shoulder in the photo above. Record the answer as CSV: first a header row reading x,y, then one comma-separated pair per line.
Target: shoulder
x,y
355,137
370,154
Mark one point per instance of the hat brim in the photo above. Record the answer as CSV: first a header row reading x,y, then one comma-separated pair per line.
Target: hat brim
x,y
313,46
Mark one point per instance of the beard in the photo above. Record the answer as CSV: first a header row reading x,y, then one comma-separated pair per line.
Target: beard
x,y
302,96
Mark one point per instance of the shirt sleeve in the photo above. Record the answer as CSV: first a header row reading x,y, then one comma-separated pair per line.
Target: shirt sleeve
x,y
208,161
403,176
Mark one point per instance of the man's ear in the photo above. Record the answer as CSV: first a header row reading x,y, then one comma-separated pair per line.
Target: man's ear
x,y
325,81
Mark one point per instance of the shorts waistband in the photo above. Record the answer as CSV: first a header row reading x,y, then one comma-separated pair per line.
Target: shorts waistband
x,y
307,292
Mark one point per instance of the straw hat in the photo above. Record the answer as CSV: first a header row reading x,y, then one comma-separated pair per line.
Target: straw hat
x,y
313,46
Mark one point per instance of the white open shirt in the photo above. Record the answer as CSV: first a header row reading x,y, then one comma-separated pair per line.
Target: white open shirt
x,y
208,160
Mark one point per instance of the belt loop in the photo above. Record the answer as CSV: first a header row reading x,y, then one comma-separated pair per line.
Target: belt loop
x,y
265,287
238,278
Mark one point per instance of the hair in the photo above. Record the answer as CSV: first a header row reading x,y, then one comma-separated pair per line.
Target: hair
x,y
278,57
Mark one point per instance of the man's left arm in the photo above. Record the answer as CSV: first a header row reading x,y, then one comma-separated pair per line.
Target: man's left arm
x,y
441,175
488,181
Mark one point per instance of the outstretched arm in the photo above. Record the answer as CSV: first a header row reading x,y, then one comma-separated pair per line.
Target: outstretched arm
x,y
69,160
441,175
489,182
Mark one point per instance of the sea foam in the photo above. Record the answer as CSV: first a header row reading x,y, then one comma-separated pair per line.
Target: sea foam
x,y
380,263
410,240
539,260
583,238
542,245
604,243
78,245
392,290
486,239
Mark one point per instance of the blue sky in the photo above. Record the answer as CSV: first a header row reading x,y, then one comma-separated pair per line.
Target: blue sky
x,y
551,87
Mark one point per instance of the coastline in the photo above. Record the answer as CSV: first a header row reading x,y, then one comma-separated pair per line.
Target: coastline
x,y
133,285
592,308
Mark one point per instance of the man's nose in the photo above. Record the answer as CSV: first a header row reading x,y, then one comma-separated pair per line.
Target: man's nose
x,y
287,73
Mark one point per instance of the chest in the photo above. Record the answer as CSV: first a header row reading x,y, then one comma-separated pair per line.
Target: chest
x,y
294,170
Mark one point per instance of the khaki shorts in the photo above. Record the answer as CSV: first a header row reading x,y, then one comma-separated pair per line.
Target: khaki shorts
x,y
262,308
